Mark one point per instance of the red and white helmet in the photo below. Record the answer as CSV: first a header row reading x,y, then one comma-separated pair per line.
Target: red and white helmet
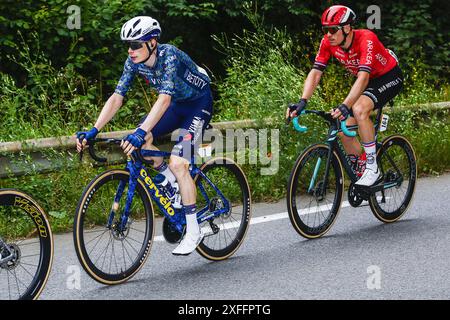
x,y
338,16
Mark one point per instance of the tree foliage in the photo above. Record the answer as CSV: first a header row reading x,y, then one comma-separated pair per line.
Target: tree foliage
x,y
413,29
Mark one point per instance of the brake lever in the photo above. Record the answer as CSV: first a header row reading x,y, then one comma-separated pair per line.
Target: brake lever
x,y
288,120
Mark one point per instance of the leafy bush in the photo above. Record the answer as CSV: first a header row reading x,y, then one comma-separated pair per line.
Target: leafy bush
x,y
58,101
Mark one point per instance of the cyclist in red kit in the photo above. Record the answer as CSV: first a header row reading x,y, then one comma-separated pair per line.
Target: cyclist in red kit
x,y
378,80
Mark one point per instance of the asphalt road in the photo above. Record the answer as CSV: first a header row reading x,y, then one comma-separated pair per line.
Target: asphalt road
x,y
360,258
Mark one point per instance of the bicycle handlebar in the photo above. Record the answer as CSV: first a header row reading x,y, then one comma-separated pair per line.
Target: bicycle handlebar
x,y
345,130
94,156
327,116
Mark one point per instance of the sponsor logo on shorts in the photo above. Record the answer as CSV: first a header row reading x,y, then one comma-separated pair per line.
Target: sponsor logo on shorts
x,y
389,85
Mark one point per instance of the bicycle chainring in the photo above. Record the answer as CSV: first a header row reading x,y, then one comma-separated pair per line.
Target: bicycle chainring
x,y
354,198
170,234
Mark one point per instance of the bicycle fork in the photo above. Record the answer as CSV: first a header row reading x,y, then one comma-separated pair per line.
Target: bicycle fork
x,y
312,183
132,183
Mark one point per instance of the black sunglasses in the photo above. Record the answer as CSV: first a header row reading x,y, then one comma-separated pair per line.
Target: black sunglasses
x,y
331,30
135,45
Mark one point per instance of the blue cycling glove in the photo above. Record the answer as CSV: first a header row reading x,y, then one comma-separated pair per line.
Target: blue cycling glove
x,y
137,139
88,135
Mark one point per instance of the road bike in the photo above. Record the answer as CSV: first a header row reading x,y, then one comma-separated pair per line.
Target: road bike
x,y
26,246
316,184
114,220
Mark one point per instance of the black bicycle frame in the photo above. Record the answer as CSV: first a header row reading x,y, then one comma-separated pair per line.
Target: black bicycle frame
x,y
335,145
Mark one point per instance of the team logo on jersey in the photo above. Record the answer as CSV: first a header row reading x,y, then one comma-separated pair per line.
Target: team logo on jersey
x,y
194,80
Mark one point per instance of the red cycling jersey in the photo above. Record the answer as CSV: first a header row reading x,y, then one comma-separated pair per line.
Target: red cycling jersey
x,y
366,53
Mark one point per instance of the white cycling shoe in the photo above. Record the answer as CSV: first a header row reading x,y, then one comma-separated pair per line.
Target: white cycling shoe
x,y
368,178
188,244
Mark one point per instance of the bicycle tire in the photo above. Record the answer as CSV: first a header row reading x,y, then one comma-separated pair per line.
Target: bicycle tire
x,y
298,217
382,214
15,202
107,182
242,198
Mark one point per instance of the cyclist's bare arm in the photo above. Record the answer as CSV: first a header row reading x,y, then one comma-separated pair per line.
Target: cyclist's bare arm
x,y
357,89
158,110
311,83
111,107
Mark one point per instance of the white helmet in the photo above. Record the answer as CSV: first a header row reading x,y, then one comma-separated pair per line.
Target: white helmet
x,y
142,28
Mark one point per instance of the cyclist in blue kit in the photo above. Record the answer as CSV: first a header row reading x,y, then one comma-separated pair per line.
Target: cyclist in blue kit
x,y
184,102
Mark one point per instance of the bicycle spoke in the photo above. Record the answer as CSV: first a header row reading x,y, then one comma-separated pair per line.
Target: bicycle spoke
x,y
32,275
101,236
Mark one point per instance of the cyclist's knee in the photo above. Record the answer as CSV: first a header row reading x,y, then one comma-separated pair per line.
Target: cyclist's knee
x,y
361,112
362,108
178,165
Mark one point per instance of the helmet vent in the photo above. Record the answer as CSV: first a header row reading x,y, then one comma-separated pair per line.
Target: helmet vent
x,y
137,32
136,23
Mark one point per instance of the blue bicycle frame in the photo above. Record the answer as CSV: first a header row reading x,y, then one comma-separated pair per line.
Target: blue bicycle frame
x,y
175,216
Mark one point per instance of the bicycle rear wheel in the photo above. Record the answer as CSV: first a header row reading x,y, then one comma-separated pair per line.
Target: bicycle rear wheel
x,y
26,246
311,210
108,255
225,233
397,162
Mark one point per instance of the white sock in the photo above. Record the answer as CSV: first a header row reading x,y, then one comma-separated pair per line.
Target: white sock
x,y
371,154
191,219
192,226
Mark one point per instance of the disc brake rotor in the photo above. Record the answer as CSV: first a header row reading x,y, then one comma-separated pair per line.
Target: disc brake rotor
x,y
15,261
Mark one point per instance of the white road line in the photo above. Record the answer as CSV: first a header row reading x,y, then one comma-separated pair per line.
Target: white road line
x,y
270,217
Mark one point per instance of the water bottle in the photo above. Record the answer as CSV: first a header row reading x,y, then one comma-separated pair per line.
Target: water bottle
x,y
169,190
164,185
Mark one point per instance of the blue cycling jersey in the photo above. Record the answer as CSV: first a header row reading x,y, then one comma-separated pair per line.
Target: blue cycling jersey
x,y
174,73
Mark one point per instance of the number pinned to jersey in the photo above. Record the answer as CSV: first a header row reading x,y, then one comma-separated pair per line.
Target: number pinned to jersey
x,y
384,122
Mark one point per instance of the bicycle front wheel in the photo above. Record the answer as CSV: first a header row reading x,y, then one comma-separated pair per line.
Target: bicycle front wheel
x,y
110,255
398,165
313,201
26,246
224,233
